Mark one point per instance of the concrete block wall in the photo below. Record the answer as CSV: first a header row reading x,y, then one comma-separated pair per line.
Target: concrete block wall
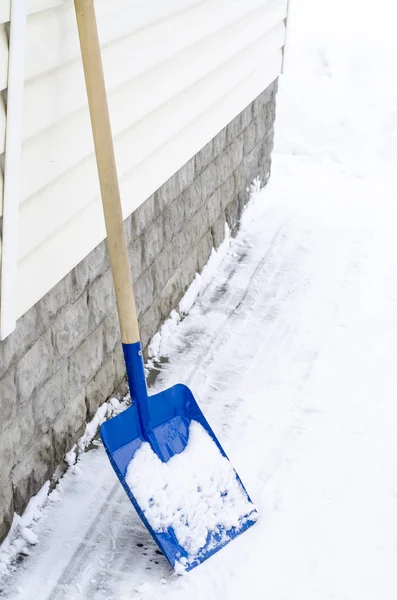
x,y
65,358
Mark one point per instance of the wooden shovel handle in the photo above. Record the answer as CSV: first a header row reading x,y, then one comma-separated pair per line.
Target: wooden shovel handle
x,y
104,151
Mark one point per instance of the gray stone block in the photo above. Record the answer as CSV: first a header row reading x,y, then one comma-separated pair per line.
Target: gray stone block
x,y
231,213
242,198
264,154
50,399
30,474
164,266
69,426
174,186
49,306
270,117
71,327
6,504
227,162
135,256
26,332
120,371
264,170
240,178
18,437
198,225
233,129
173,218
149,322
19,341
144,292
187,272
111,331
171,294
228,191
223,166
251,163
236,151
260,124
204,157
142,217
85,362
204,248
89,269
183,243
209,180
264,98
178,284
101,299
193,198
7,354
250,137
152,242
12,444
8,400
186,175
239,124
218,231
100,387
128,230
214,206
219,142
247,116
34,367
264,121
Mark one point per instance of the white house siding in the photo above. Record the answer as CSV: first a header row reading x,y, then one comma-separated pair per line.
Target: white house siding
x,y
3,85
177,72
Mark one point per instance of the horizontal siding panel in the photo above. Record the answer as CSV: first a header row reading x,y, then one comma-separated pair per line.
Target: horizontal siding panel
x,y
57,31
54,152
3,85
2,125
53,206
3,57
53,96
1,186
35,6
44,267
5,9
2,143
32,6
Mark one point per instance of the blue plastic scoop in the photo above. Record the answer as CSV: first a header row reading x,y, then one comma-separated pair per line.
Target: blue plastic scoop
x,y
163,420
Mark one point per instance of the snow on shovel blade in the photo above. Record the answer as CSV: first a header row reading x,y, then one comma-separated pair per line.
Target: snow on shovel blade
x,y
180,481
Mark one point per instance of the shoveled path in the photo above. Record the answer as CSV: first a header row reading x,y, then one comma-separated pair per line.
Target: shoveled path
x,y
291,352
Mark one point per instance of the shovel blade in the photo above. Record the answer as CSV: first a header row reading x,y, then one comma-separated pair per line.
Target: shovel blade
x,y
172,413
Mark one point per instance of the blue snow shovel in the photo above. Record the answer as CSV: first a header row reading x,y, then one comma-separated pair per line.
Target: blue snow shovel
x,y
163,420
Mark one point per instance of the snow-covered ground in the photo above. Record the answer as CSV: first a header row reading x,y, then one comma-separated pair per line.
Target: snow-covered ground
x,y
290,349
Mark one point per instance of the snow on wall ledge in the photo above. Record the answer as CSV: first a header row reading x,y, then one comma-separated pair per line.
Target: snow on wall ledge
x,y
65,359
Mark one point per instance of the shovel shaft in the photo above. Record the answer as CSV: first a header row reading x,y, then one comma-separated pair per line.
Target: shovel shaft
x,y
104,151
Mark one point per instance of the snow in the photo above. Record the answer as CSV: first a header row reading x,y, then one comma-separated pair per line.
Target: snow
x,y
107,410
290,351
164,333
196,493
202,279
21,534
93,426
